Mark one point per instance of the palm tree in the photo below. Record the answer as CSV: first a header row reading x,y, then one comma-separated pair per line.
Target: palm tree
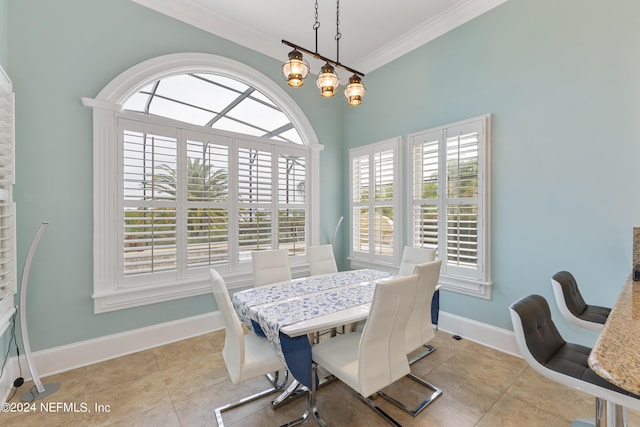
x,y
204,184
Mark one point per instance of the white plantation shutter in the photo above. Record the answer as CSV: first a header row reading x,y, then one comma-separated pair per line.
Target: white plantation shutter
x,y
207,201
383,167
8,276
450,190
375,191
425,162
292,181
150,191
360,203
255,197
462,197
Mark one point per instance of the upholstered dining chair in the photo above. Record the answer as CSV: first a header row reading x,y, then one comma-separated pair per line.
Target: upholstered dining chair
x,y
573,307
413,256
544,349
370,360
420,331
321,259
270,266
245,355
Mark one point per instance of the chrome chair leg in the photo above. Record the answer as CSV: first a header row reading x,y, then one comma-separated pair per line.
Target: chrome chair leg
x,y
430,349
294,391
311,403
275,388
379,410
436,392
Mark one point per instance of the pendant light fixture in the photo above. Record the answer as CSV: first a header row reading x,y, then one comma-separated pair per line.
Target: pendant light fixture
x,y
355,90
296,69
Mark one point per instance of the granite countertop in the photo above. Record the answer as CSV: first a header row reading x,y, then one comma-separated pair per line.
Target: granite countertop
x,y
616,354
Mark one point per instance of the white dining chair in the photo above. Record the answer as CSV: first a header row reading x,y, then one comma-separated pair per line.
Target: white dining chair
x,y
420,331
270,266
245,355
370,360
321,259
413,256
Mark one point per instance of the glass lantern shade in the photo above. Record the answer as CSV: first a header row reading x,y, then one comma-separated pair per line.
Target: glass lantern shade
x,y
327,81
355,90
295,70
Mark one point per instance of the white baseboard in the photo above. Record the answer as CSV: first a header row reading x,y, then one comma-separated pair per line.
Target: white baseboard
x,y
76,355
488,335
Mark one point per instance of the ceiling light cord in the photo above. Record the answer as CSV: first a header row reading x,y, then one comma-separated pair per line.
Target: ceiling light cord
x,y
316,25
338,34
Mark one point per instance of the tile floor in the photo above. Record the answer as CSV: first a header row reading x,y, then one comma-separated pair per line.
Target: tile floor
x,y
180,384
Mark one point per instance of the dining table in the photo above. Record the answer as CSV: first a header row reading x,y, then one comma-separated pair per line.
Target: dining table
x,y
287,312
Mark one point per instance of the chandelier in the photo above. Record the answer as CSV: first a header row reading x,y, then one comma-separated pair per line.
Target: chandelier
x,y
296,69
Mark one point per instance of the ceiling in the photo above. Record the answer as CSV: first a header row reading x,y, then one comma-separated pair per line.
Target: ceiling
x,y
373,32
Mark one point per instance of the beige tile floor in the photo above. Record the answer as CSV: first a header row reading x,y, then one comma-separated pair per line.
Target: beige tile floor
x,y
180,384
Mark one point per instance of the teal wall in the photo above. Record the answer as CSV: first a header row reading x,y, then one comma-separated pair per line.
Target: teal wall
x,y
560,78
62,51
562,82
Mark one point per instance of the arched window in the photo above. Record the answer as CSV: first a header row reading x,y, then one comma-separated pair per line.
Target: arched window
x,y
212,160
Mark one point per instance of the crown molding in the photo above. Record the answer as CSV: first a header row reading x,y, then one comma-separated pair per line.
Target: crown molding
x,y
193,13
460,13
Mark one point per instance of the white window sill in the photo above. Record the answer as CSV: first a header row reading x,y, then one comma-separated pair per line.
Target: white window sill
x,y
461,285
123,298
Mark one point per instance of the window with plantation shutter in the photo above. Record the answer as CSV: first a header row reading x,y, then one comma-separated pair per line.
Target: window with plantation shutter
x,y
8,275
177,188
449,169
375,194
198,161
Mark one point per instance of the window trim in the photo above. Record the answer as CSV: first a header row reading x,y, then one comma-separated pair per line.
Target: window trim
x,y
107,107
372,261
481,287
8,284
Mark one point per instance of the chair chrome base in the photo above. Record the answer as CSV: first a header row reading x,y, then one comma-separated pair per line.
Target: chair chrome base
x,y
430,349
273,379
379,410
311,403
296,390
415,411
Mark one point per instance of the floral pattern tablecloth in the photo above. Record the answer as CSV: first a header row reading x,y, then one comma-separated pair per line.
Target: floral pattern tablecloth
x,y
275,306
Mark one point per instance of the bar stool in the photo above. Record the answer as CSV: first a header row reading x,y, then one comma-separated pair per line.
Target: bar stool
x,y
573,307
544,349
